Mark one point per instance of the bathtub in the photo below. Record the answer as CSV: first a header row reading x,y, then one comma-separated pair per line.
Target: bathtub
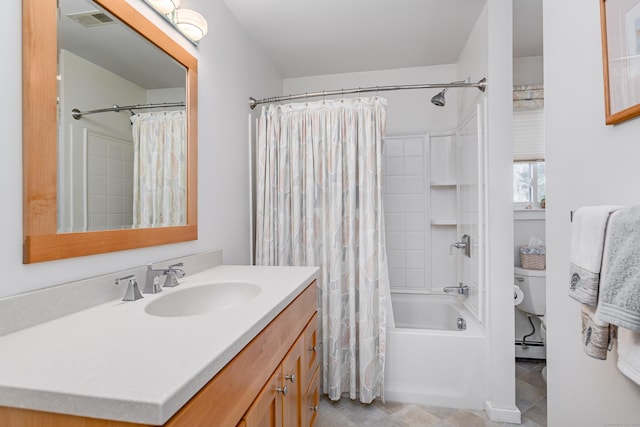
x,y
429,359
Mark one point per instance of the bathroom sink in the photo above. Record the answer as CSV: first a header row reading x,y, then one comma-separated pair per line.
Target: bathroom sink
x,y
201,299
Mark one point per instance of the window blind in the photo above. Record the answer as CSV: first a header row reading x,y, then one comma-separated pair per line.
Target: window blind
x,y
528,134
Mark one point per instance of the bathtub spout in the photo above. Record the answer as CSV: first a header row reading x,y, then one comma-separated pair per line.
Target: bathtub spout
x,y
460,290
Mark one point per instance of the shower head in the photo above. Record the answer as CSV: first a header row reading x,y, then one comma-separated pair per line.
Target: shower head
x,y
439,100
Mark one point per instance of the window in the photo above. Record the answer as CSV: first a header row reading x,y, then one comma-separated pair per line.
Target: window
x,y
528,184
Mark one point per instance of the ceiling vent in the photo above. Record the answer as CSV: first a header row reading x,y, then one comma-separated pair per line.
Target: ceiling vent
x,y
91,19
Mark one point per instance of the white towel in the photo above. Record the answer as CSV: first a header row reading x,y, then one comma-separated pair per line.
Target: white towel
x,y
619,298
587,242
597,336
629,354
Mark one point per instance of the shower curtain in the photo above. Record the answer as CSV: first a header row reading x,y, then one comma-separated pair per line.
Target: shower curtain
x,y
319,203
159,169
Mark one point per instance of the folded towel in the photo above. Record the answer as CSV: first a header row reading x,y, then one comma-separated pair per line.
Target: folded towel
x,y
619,298
587,242
629,354
597,336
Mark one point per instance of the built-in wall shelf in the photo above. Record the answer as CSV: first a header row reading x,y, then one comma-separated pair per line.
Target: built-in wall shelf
x,y
444,221
420,195
443,208
443,184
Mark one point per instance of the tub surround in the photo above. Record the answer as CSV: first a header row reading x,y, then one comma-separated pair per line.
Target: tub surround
x,y
429,361
114,361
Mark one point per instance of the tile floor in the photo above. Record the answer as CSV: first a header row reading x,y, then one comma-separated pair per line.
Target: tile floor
x,y
531,399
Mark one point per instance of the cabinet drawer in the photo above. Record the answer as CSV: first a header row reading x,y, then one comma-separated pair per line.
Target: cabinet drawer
x,y
311,401
292,367
311,355
266,410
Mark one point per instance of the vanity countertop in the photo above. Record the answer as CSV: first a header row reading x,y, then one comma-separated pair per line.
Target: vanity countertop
x,y
115,361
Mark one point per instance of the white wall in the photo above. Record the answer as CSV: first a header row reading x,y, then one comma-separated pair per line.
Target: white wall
x,y
409,112
231,68
488,53
86,194
528,70
588,163
526,224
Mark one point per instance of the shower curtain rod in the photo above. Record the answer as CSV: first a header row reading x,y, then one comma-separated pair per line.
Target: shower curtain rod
x,y
481,85
77,114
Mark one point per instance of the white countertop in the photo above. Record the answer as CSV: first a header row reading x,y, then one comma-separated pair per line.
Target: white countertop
x,y
115,361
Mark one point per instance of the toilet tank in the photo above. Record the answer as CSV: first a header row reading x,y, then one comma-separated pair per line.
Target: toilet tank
x,y
533,286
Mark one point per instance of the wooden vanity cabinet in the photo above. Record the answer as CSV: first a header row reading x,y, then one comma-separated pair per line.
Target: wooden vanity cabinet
x,y
311,401
295,383
266,410
245,392
311,375
249,390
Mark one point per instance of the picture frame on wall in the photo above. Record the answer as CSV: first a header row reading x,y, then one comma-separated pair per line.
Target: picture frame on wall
x,y
620,26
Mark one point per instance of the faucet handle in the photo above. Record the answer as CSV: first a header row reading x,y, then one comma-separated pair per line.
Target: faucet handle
x,y
133,293
174,272
178,271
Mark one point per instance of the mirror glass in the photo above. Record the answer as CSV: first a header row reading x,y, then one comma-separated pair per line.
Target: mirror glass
x,y
123,168
107,180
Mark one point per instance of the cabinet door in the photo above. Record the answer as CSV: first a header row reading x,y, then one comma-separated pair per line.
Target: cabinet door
x,y
266,410
292,368
311,357
311,401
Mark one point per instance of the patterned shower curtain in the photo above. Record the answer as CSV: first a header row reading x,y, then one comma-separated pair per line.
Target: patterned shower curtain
x,y
319,203
159,169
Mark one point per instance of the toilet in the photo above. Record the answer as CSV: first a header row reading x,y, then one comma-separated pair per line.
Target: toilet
x,y
532,283
533,286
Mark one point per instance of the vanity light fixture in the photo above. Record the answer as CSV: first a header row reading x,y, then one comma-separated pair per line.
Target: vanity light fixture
x,y
192,24
189,22
165,7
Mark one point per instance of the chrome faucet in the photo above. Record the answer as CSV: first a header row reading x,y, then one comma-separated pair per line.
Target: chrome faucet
x,y
152,280
464,244
174,272
133,293
460,289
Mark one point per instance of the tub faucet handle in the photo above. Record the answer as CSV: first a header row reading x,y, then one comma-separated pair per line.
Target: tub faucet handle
x,y
133,293
464,244
461,289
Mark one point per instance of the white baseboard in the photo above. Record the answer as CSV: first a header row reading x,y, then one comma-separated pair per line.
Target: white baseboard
x,y
506,415
531,352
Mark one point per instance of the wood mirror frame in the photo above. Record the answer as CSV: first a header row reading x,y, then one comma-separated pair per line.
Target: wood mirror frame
x,y
41,240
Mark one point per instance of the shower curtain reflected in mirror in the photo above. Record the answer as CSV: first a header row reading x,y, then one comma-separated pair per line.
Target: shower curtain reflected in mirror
x,y
160,169
319,203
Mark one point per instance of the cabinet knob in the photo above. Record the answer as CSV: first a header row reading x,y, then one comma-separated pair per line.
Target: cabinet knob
x,y
291,378
282,390
313,408
314,348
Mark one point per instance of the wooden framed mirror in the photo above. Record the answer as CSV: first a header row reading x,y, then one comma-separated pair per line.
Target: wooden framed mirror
x,y
42,239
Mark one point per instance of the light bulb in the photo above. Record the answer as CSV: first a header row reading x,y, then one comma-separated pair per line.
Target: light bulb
x,y
165,6
191,23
